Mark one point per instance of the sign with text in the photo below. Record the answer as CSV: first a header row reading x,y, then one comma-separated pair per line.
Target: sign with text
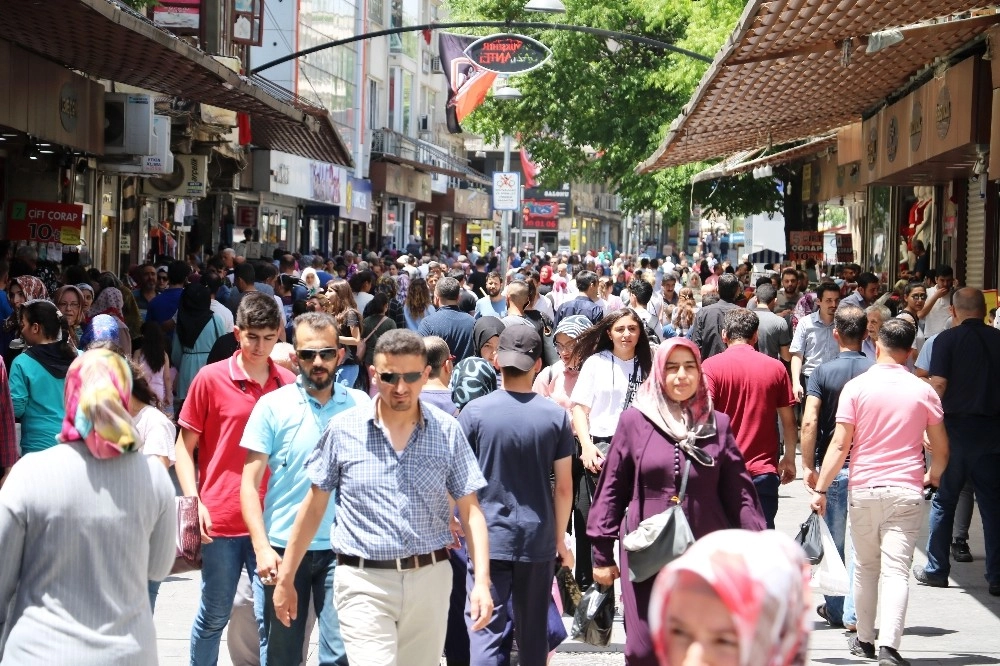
x,y
44,222
508,54
246,216
845,248
506,190
540,215
805,245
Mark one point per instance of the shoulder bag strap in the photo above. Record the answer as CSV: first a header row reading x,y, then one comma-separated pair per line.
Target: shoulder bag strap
x,y
381,321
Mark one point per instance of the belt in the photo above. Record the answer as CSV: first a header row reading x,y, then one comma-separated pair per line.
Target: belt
x,y
400,564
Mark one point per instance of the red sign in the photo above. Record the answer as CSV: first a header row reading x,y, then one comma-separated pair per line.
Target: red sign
x,y
805,245
246,216
508,54
540,215
44,222
845,249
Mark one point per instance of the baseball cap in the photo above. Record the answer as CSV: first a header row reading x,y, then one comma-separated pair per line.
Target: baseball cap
x,y
520,347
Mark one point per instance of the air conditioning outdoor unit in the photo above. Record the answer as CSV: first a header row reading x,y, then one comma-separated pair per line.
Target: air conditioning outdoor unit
x,y
160,162
128,124
436,66
189,178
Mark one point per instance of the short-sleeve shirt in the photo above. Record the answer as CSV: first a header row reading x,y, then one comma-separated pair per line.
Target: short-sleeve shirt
x,y
485,307
517,463
814,340
826,384
773,333
217,407
924,357
286,425
749,388
454,327
159,434
968,356
603,385
392,505
890,409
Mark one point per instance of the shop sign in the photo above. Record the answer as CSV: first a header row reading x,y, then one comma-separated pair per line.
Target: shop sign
x,y
916,124
845,249
44,222
299,177
871,147
942,112
508,53
805,245
327,182
125,244
806,181
471,203
246,216
358,201
540,215
183,15
68,107
561,196
892,139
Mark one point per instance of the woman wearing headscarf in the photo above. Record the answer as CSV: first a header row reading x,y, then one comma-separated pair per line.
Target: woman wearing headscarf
x,y
88,295
486,338
197,330
130,308
670,426
38,376
103,329
61,599
20,290
111,302
736,598
69,300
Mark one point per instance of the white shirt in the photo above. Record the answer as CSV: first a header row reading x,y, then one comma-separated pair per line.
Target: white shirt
x,y
225,313
937,319
602,386
157,432
362,299
544,305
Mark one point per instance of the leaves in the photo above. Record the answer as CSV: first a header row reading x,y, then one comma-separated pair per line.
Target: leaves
x,y
600,107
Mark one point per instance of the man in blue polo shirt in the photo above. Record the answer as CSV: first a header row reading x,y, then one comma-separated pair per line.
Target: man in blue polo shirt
x,y
281,434
450,323
526,524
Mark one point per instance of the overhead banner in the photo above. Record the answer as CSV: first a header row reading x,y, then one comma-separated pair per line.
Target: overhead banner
x,y
467,82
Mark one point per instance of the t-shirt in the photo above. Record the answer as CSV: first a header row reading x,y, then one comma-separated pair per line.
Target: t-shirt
x,y
158,433
937,319
164,307
517,501
968,356
890,409
217,407
750,387
556,383
454,327
773,333
825,384
604,385
286,424
440,398
363,299
485,307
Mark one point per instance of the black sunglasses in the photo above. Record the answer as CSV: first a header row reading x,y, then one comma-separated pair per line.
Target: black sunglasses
x,y
392,378
327,353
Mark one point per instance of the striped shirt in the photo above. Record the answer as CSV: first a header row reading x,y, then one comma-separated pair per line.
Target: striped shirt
x,y
391,505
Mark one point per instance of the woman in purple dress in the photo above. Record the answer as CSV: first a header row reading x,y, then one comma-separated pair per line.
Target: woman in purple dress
x,y
670,421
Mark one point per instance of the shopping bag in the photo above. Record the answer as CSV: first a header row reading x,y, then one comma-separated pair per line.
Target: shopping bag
x,y
830,575
595,616
809,538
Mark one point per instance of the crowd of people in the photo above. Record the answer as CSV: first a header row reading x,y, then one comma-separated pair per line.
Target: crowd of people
x,y
405,450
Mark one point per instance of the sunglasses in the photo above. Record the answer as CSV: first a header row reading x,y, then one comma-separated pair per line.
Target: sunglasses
x,y
326,354
392,378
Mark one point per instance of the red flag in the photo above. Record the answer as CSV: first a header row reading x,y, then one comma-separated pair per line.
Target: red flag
x,y
243,126
528,168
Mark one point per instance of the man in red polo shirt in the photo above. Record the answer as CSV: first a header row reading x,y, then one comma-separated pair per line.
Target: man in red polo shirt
x,y
753,389
213,418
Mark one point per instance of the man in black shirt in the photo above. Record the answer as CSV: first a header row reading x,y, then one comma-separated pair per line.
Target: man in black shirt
x,y
706,332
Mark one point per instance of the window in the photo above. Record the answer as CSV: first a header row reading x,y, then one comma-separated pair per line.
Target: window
x,y
373,107
376,11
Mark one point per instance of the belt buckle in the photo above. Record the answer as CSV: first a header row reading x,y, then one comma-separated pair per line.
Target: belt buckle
x,y
401,560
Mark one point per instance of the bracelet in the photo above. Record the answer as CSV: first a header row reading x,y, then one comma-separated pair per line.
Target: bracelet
x,y
820,492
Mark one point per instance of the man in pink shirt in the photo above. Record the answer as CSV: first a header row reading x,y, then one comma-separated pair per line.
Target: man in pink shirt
x,y
881,420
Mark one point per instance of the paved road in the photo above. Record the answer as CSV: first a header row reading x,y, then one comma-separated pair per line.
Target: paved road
x,y
958,626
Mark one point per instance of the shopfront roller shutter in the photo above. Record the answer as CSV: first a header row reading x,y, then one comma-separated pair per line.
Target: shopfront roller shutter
x,y
975,238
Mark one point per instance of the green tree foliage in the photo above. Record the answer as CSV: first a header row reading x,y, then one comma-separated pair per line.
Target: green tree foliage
x,y
601,107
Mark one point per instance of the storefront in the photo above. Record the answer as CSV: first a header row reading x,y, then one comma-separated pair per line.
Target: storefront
x,y
399,189
455,209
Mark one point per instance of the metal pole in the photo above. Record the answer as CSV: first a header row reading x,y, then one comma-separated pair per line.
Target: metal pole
x,y
505,217
359,90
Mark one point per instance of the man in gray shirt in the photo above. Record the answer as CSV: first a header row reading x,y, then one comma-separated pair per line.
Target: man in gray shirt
x,y
774,334
813,342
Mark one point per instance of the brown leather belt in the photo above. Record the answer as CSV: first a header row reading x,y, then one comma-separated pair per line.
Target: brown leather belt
x,y
401,564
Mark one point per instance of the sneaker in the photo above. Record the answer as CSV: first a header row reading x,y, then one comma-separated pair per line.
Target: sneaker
x,y
960,551
927,579
889,657
861,649
995,589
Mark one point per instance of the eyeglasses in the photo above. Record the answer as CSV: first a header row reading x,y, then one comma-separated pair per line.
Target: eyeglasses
x,y
565,347
69,305
326,354
919,296
392,378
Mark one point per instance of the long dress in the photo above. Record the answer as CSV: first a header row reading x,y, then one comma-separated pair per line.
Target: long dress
x,y
718,497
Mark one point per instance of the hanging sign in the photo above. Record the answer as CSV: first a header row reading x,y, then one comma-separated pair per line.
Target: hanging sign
x,y
508,54
44,222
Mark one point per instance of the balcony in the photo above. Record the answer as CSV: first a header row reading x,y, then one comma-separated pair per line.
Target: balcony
x,y
423,156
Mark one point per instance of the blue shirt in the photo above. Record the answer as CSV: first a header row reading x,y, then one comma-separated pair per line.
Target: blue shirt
x,y
390,505
487,308
924,357
815,342
581,305
164,307
286,424
455,327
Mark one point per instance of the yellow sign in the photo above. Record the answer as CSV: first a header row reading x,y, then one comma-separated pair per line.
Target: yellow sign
x,y
991,303
69,235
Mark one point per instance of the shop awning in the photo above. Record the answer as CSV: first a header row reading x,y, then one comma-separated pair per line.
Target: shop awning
x,y
105,40
807,149
723,168
795,69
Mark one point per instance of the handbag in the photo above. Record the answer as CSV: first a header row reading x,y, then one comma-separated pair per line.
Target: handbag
x,y
659,539
810,537
188,556
595,616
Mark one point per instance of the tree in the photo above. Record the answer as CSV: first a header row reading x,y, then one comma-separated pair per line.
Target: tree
x,y
601,107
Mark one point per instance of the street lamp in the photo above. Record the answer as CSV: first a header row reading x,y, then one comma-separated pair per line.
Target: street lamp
x,y
506,93
545,7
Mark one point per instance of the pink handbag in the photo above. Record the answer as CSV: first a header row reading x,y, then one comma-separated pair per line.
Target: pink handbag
x,y
188,536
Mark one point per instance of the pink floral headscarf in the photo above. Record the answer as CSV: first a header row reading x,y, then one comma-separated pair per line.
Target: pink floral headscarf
x,y
111,302
761,577
97,393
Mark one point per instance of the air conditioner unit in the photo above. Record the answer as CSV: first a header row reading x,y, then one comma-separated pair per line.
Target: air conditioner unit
x,y
423,124
161,161
189,178
128,124
436,66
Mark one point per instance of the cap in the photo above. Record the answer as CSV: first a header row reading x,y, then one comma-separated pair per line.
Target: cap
x,y
520,347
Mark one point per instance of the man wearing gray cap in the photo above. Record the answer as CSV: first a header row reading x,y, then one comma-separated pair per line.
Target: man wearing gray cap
x,y
526,523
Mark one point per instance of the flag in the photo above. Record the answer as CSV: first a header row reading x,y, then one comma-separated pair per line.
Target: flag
x,y
467,82
529,168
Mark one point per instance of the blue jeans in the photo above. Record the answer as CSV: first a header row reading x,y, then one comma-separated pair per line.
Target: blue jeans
x,y
840,609
313,579
222,562
974,453
154,589
767,492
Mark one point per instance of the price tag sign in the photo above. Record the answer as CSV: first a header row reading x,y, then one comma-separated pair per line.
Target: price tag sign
x,y
44,222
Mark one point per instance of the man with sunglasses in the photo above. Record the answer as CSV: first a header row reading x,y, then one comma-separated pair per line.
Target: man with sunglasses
x,y
281,434
395,464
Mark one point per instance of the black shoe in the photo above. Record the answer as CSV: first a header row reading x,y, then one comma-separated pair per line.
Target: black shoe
x,y
960,551
927,579
995,589
822,612
889,657
861,649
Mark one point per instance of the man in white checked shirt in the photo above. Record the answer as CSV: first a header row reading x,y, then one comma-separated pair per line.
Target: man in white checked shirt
x,y
394,463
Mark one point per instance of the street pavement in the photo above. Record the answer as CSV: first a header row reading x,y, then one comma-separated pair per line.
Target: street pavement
x,y
957,626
